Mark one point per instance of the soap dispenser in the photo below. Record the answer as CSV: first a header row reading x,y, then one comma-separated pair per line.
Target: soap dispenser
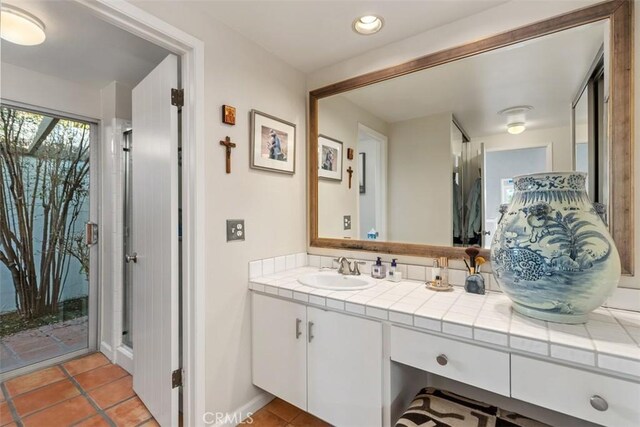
x,y
378,271
394,274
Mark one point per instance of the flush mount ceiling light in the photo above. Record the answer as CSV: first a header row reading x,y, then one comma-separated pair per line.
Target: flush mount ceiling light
x,y
516,128
367,25
20,27
516,123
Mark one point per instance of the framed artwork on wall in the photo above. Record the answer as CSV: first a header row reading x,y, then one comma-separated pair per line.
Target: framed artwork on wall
x,y
362,172
329,158
273,143
229,115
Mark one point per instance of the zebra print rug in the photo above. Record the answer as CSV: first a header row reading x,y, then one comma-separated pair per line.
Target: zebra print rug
x,y
439,408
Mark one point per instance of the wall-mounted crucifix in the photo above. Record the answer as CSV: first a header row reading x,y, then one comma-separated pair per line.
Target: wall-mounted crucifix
x,y
228,145
350,172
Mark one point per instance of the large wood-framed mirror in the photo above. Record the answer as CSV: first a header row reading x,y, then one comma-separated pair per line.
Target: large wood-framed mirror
x,y
431,143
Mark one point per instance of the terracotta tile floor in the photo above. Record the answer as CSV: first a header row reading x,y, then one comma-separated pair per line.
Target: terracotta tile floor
x,y
279,413
35,345
87,391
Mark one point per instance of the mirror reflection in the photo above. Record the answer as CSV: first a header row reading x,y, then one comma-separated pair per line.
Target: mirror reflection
x,y
429,157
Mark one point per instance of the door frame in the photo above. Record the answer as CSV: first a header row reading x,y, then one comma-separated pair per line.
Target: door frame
x,y
94,258
548,146
381,142
190,50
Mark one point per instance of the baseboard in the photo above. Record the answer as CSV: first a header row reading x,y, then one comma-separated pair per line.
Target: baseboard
x,y
106,349
251,407
124,358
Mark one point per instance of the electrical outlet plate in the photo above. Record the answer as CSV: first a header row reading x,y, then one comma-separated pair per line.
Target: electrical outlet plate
x,y
235,229
347,222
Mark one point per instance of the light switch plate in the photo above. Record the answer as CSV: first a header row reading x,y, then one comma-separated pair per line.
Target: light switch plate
x,y
347,222
235,229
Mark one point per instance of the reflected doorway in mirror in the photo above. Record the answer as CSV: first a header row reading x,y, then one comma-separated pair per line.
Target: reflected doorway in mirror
x,y
362,172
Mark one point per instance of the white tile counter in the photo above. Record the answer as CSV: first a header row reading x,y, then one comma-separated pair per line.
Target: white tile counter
x,y
609,341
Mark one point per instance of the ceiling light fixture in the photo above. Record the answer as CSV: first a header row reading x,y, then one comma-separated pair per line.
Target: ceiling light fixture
x,y
516,123
516,128
20,27
367,25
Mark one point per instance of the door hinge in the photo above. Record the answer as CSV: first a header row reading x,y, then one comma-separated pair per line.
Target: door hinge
x,y
177,97
176,378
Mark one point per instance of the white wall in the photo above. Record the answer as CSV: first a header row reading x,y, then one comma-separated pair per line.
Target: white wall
x,y
502,18
496,20
41,90
419,183
338,118
239,73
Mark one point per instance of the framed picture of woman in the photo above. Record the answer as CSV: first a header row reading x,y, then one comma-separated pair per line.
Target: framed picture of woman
x,y
273,143
329,158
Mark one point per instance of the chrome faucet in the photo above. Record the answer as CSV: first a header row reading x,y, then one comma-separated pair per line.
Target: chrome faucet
x,y
345,266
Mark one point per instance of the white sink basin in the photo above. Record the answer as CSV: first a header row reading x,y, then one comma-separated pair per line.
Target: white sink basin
x,y
337,282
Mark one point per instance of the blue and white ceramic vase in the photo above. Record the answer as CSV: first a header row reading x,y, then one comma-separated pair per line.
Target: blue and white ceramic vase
x,y
552,253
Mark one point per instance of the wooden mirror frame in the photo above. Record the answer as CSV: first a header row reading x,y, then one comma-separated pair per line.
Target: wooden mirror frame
x,y
621,223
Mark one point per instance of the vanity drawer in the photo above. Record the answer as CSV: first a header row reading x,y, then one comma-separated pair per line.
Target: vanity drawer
x,y
467,363
570,391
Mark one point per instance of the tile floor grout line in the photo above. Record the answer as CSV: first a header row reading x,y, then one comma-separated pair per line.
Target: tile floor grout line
x,y
84,393
59,365
145,421
9,400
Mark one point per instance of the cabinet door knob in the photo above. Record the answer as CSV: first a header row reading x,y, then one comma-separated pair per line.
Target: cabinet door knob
x,y
598,403
310,332
442,360
131,258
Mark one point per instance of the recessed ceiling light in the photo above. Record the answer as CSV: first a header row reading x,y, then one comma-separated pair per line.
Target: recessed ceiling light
x,y
367,25
20,27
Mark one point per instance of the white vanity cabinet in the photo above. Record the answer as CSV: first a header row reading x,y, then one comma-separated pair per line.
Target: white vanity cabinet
x,y
279,350
467,363
344,369
327,363
330,363
598,398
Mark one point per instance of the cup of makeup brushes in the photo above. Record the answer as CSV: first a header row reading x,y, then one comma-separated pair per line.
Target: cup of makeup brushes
x,y
474,283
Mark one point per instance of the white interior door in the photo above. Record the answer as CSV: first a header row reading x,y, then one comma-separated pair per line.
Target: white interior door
x,y
154,239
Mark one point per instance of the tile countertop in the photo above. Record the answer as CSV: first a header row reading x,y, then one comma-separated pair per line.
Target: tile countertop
x,y
609,341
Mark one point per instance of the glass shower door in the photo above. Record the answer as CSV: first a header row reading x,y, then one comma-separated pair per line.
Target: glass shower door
x,y
46,301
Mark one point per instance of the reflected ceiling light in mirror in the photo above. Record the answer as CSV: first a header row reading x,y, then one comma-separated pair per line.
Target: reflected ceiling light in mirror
x,y
516,128
516,120
367,25
20,27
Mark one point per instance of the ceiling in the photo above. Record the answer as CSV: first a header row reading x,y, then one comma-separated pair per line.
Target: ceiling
x,y
544,73
82,48
310,35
